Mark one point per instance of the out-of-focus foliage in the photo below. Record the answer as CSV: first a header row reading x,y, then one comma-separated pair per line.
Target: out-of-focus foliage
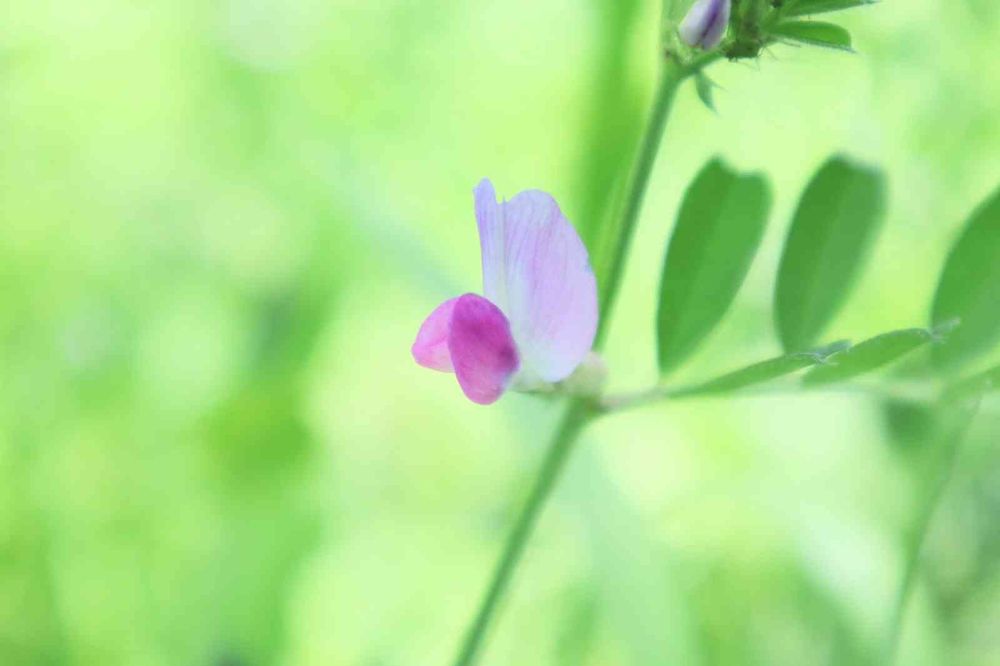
x,y
221,223
811,7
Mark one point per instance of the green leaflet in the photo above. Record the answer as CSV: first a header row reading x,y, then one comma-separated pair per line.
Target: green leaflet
x,y
765,371
969,289
704,87
719,228
836,222
869,355
814,33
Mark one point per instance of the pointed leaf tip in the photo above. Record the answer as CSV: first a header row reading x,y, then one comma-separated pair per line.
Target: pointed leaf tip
x,y
868,356
814,33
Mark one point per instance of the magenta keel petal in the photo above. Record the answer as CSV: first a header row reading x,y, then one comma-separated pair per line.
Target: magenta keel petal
x,y
430,349
536,269
482,349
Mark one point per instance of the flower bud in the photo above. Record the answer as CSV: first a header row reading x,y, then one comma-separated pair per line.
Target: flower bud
x,y
705,23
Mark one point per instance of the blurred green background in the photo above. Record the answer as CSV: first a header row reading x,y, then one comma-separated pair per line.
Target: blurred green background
x,y
221,224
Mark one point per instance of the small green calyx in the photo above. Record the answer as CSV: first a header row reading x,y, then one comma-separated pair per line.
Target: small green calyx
x,y
747,28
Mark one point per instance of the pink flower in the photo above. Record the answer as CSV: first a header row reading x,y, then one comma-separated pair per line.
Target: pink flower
x,y
539,315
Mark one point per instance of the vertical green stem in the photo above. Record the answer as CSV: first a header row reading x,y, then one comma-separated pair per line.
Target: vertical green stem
x,y
945,468
573,421
618,236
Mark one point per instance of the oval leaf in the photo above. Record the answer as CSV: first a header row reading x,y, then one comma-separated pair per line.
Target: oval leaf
x,y
835,223
814,33
869,355
765,371
807,7
718,230
969,289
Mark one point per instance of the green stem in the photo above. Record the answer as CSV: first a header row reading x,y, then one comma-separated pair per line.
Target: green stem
x,y
580,410
913,392
620,234
951,441
575,418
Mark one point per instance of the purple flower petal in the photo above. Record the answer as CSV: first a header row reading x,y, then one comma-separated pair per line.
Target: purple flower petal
x,y
430,349
536,270
481,348
705,23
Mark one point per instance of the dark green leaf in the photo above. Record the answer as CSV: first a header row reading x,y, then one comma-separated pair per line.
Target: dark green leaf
x,y
807,7
836,222
765,371
969,289
814,33
704,86
718,230
869,355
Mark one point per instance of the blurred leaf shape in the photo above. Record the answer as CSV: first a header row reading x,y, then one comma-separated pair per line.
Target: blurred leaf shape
x,y
765,371
907,424
969,289
704,86
719,228
978,384
869,355
814,33
835,224
613,118
808,7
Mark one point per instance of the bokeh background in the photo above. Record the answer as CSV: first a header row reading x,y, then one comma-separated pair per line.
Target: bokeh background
x,y
220,226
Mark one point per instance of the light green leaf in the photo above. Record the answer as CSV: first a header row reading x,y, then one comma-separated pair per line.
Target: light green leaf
x,y
984,382
814,33
704,86
765,371
835,224
869,355
969,289
808,7
719,228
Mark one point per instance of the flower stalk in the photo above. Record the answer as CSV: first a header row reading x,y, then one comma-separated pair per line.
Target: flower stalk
x,y
582,410
949,446
576,417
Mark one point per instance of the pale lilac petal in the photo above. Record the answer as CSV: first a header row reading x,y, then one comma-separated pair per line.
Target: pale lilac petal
x,y
536,269
705,23
430,349
489,218
482,349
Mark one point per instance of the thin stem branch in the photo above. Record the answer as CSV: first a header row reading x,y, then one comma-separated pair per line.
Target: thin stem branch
x,y
574,420
620,234
913,392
